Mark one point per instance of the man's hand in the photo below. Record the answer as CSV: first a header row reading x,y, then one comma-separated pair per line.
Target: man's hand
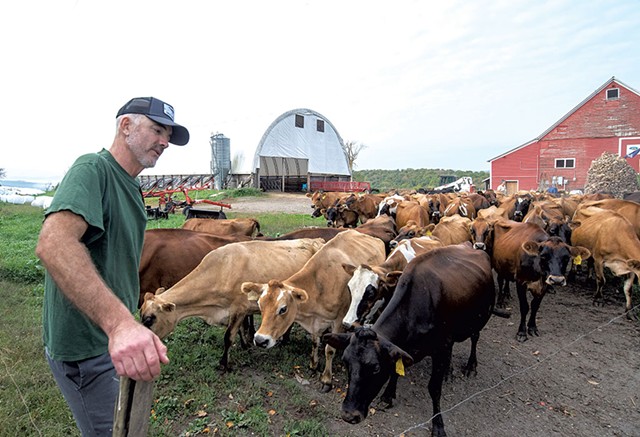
x,y
136,351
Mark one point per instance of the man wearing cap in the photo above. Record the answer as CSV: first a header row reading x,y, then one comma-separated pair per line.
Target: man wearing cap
x,y
90,244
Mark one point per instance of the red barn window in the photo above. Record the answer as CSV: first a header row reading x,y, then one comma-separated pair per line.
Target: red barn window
x,y
566,163
613,93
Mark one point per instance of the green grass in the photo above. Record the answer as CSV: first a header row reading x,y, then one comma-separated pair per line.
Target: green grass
x,y
261,396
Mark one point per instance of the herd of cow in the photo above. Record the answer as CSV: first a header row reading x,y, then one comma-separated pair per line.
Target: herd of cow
x,y
393,278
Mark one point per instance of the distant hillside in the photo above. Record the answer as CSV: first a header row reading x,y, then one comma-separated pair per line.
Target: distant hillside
x,y
412,178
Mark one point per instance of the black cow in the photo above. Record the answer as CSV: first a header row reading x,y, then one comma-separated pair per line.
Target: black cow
x,y
526,254
523,202
443,296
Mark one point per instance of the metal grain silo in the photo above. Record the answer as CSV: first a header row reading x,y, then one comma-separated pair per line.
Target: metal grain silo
x,y
220,159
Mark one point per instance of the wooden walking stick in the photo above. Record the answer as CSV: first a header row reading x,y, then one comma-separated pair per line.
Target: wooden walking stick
x,y
133,408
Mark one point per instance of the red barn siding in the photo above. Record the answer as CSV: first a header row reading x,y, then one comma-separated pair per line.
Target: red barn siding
x,y
596,126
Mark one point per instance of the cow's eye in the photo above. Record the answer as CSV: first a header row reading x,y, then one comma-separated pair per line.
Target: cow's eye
x,y
282,310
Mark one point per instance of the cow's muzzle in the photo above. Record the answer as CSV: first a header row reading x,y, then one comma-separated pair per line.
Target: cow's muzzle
x,y
479,246
264,341
556,280
352,417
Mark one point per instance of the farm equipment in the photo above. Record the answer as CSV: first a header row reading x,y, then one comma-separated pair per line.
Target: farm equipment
x,y
464,184
166,205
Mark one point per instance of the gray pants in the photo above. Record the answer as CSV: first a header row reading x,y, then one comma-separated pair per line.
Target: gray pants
x,y
90,388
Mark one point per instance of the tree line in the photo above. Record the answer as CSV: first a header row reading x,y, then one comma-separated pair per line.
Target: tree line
x,y
412,178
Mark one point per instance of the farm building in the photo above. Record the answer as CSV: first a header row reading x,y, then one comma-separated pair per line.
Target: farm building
x,y
299,148
606,121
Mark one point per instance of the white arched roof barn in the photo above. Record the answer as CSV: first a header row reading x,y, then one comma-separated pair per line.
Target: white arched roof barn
x,y
300,146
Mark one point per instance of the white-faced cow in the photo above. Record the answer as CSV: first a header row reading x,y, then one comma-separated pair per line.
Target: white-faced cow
x,y
316,297
371,287
443,296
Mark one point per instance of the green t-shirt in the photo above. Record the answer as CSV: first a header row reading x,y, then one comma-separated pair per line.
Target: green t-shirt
x,y
97,188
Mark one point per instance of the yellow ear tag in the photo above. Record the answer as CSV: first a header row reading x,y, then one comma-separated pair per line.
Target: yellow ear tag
x,y
577,260
429,233
400,367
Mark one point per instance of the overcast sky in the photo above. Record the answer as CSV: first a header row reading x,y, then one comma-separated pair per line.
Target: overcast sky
x,y
423,84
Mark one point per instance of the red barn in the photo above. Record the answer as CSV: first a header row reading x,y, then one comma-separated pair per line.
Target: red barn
x,y
606,121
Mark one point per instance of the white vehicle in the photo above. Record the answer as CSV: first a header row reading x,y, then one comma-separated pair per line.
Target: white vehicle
x,y
463,184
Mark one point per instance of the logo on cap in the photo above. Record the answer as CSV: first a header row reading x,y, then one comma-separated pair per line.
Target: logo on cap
x,y
168,110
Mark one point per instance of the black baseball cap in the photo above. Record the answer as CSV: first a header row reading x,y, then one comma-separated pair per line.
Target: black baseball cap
x,y
160,112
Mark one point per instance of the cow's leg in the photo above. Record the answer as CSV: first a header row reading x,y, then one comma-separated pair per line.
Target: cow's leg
x,y
535,305
441,361
503,291
314,352
327,375
472,363
390,391
598,297
628,283
524,309
235,323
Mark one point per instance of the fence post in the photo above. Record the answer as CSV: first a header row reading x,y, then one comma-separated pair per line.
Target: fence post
x,y
133,408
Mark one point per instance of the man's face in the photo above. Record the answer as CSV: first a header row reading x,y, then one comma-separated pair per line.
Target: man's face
x,y
147,140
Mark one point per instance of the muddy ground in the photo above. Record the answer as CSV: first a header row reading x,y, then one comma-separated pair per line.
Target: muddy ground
x,y
580,377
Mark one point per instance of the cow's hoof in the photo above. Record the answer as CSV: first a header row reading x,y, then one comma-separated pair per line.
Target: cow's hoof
x,y
533,331
388,401
521,337
326,388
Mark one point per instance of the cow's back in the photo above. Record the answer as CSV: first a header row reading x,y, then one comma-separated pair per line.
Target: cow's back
x,y
446,291
323,277
168,255
508,237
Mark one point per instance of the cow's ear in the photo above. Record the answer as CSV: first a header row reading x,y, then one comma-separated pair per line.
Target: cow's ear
x,y
168,306
252,290
160,290
338,341
579,251
349,268
391,278
148,296
395,353
299,294
430,227
531,247
574,224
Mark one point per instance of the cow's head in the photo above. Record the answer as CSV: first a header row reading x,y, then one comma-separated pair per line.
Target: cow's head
x,y
551,258
368,287
158,314
370,361
481,234
559,228
278,305
411,230
521,207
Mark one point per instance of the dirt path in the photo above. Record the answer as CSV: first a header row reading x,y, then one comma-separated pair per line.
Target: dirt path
x,y
581,377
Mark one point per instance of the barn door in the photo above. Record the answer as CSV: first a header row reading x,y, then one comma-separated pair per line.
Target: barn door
x,y
512,187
